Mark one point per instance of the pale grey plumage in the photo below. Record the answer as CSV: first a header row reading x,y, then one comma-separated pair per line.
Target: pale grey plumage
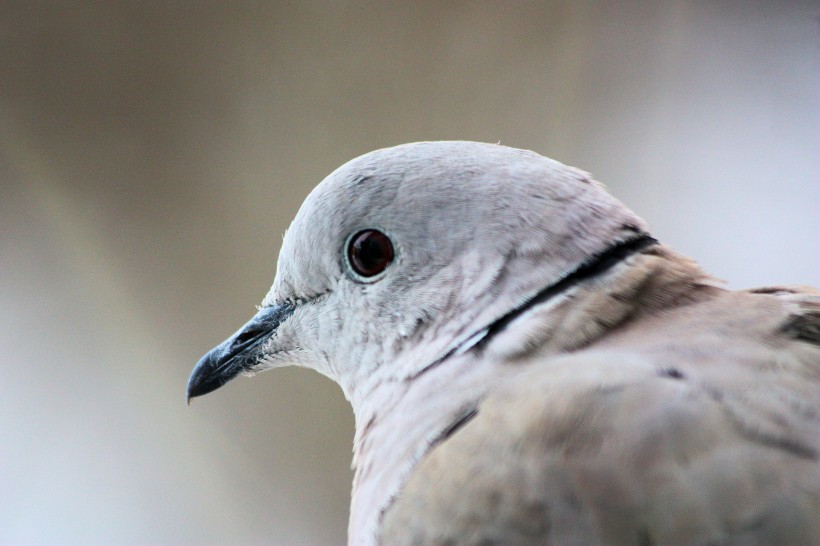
x,y
692,421
508,392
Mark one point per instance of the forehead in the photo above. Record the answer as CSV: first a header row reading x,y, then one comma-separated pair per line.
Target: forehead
x,y
428,173
444,186
419,192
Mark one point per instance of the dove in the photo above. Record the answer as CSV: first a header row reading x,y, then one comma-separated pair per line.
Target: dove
x,y
527,365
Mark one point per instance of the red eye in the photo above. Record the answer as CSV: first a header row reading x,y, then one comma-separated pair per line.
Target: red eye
x,y
369,252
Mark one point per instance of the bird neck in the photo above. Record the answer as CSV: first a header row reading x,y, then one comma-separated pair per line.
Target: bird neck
x,y
399,418
397,424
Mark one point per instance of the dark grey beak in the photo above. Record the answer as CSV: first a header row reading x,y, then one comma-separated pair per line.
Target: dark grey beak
x,y
238,353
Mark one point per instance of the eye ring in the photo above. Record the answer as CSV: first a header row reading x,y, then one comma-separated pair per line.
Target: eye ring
x,y
368,254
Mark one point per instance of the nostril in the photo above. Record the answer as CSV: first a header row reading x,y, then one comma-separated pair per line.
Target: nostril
x,y
245,337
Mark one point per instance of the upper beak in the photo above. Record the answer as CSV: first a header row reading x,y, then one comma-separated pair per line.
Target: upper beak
x,y
238,353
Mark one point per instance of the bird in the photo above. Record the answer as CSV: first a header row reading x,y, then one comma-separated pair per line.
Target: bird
x,y
528,365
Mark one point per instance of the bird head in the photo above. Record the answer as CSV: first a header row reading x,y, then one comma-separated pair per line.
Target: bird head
x,y
404,255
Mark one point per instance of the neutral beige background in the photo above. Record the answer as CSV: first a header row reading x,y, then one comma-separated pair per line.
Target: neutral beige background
x,y
152,154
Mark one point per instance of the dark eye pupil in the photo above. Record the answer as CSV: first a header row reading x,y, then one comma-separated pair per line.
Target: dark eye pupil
x,y
370,252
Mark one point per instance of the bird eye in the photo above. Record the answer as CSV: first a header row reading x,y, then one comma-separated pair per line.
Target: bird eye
x,y
369,252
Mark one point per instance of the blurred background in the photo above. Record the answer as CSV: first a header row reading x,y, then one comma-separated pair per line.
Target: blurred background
x,y
153,153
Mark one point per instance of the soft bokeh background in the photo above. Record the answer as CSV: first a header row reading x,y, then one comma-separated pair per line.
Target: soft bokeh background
x,y
152,154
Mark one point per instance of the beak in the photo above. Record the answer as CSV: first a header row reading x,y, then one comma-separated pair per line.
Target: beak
x,y
239,353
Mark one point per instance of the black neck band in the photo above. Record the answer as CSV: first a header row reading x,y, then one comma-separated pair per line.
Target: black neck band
x,y
593,267
597,265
